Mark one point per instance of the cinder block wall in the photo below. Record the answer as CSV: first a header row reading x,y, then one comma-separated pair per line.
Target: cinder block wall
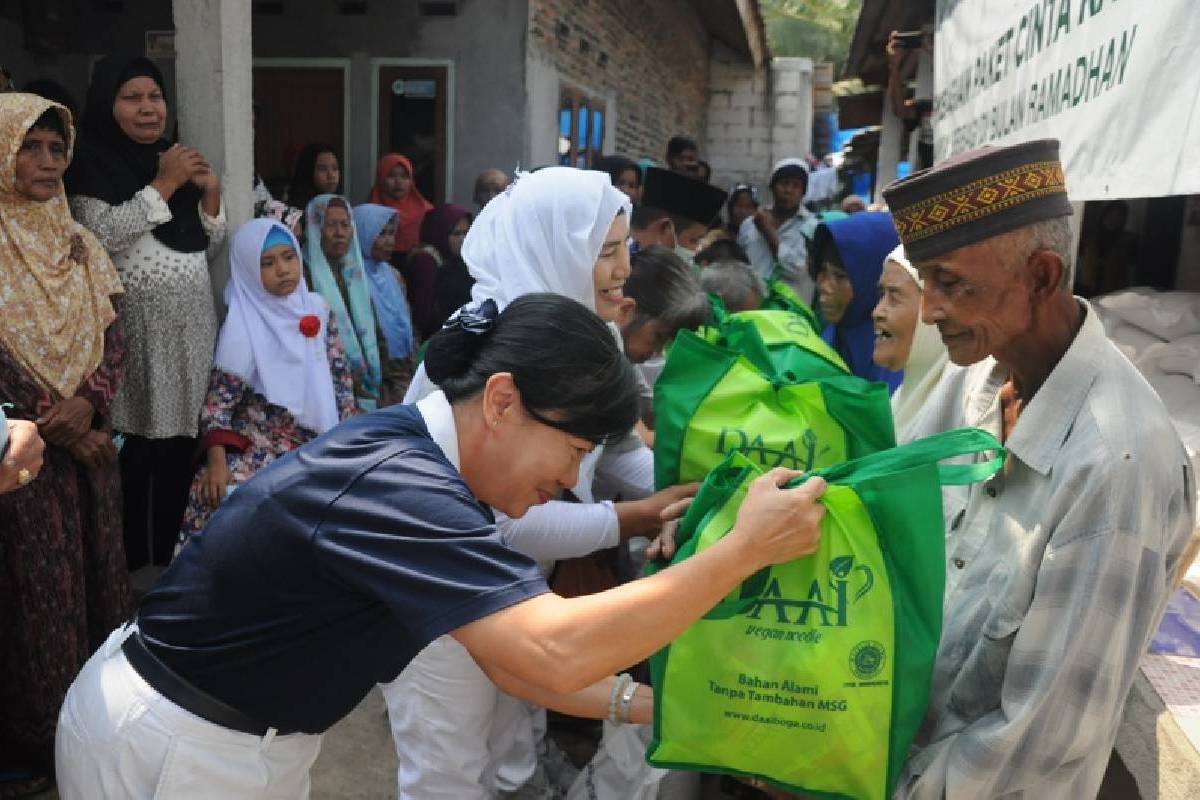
x,y
756,117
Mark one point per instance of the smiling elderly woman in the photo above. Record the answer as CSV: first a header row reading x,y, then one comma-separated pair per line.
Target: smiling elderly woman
x,y
904,343
333,567
156,207
63,581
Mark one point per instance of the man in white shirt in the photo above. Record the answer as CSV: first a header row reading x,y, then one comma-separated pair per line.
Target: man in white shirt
x,y
1059,567
779,235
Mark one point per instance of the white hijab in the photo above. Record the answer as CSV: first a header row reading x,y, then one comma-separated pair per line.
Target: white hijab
x,y
542,234
927,361
261,341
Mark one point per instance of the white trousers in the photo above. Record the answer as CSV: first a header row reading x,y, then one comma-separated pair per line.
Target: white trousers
x,y
118,737
457,736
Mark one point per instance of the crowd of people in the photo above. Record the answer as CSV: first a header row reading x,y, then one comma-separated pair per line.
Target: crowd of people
x,y
511,439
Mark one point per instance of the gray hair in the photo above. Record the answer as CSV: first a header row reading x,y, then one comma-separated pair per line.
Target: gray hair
x,y
1014,248
665,288
732,281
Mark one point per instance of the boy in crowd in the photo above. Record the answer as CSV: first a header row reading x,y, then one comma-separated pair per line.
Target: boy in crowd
x,y
779,235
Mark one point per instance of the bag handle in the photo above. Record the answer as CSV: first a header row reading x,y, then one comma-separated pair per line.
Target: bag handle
x,y
751,347
930,450
719,310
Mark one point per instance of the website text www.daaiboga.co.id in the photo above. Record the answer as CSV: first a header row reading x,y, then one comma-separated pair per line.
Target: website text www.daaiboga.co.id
x,y
819,727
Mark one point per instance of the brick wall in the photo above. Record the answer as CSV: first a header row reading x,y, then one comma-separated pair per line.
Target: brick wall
x,y
652,58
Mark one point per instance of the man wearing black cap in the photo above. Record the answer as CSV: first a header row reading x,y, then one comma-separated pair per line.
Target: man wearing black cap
x,y
692,205
1059,568
779,235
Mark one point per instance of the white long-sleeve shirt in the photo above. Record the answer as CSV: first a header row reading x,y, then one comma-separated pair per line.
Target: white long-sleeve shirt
x,y
559,530
792,258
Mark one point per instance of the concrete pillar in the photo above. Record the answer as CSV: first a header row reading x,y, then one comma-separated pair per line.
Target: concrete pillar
x,y
792,92
890,133
214,84
359,157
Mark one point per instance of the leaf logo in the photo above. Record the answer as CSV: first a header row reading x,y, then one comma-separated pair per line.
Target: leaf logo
x,y
867,583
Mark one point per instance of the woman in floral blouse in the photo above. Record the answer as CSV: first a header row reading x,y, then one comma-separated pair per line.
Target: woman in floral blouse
x,y
156,208
280,376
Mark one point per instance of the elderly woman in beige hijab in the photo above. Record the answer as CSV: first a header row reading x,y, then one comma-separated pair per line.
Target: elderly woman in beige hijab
x,y
63,582
904,342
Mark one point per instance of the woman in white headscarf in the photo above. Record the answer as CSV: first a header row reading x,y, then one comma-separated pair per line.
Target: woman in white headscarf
x,y
546,233
279,377
565,231
904,342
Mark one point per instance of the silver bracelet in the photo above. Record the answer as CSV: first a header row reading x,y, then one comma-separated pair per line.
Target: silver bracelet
x,y
619,685
627,700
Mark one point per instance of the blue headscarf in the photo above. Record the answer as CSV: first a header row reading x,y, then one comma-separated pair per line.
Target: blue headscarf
x,y
387,296
863,241
355,319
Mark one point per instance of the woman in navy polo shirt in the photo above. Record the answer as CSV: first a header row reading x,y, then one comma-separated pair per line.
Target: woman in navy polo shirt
x,y
330,569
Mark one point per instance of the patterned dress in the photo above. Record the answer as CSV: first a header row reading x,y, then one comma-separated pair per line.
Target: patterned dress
x,y
63,582
254,431
169,317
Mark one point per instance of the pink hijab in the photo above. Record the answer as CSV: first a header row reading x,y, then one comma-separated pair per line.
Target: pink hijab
x,y
411,208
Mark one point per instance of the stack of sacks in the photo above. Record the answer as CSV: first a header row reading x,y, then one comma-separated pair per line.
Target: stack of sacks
x,y
1114,311
1160,333
1171,366
1173,369
1138,318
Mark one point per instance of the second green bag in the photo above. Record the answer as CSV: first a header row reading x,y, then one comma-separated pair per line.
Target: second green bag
x,y
782,297
815,674
793,406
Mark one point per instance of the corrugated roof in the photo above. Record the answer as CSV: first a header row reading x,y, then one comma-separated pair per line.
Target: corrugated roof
x,y
737,24
878,18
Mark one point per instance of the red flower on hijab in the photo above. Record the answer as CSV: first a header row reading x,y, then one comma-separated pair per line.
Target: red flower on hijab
x,y
310,325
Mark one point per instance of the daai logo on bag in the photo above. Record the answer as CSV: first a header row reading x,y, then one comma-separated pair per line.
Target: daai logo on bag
x,y
798,454
830,603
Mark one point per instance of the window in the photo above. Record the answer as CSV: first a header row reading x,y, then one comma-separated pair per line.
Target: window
x,y
581,121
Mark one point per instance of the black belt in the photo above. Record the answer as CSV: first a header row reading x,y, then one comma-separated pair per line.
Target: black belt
x,y
183,694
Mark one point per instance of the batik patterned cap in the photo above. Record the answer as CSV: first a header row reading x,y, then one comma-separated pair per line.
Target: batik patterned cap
x,y
976,195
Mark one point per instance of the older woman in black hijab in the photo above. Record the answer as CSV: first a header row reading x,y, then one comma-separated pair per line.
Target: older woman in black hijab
x,y
156,207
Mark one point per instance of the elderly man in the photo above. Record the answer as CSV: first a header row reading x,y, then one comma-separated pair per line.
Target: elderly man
x,y
490,183
779,235
1059,568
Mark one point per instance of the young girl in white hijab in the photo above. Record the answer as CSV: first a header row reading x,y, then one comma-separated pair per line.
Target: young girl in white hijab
x,y
279,377
904,342
558,230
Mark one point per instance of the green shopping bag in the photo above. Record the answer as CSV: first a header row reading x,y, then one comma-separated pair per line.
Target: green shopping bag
x,y
814,675
715,397
781,297
789,342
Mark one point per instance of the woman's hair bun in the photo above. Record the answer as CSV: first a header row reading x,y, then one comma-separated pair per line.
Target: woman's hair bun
x,y
453,349
563,360
450,353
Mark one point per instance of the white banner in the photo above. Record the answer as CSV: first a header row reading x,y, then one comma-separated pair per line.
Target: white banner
x,y
1117,81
